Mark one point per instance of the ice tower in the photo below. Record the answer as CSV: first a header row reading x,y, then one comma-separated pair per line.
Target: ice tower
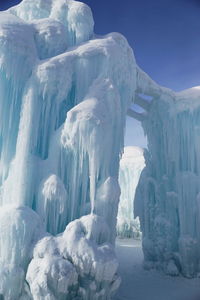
x,y
64,94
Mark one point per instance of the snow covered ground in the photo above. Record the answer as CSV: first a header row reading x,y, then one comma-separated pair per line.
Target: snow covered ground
x,y
139,284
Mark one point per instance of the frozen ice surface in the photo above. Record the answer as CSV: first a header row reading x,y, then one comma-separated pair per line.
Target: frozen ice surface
x,y
131,166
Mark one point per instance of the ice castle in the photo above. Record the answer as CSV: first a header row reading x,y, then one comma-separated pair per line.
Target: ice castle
x,y
64,97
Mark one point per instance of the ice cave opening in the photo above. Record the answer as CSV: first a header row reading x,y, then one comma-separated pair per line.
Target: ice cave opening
x,y
131,165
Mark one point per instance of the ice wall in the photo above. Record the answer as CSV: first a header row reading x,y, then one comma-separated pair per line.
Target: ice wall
x,y
167,198
131,166
63,103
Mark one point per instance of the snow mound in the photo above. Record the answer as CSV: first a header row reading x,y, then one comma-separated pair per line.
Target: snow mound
x,y
78,264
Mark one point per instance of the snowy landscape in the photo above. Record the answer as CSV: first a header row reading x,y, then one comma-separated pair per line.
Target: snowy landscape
x,y
138,283
82,217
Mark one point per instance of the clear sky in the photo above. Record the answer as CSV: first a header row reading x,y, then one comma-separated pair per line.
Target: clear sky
x,y
165,36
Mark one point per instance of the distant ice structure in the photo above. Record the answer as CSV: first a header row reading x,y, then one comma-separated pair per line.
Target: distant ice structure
x,y
63,103
131,166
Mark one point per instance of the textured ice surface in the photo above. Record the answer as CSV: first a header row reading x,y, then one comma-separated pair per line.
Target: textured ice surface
x,y
75,16
83,92
78,264
131,166
63,102
52,204
20,229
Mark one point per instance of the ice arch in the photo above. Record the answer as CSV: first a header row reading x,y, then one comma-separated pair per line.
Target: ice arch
x,y
167,197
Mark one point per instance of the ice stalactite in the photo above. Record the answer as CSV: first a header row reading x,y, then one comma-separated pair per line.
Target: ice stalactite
x,y
52,204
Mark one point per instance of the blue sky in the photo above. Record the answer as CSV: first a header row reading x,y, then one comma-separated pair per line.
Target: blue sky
x,y
165,36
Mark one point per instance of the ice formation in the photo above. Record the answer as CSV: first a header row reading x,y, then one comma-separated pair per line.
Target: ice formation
x,y
78,264
20,229
64,98
167,198
63,103
131,166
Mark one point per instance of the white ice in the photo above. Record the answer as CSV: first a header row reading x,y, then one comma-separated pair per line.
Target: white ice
x,y
78,264
131,166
